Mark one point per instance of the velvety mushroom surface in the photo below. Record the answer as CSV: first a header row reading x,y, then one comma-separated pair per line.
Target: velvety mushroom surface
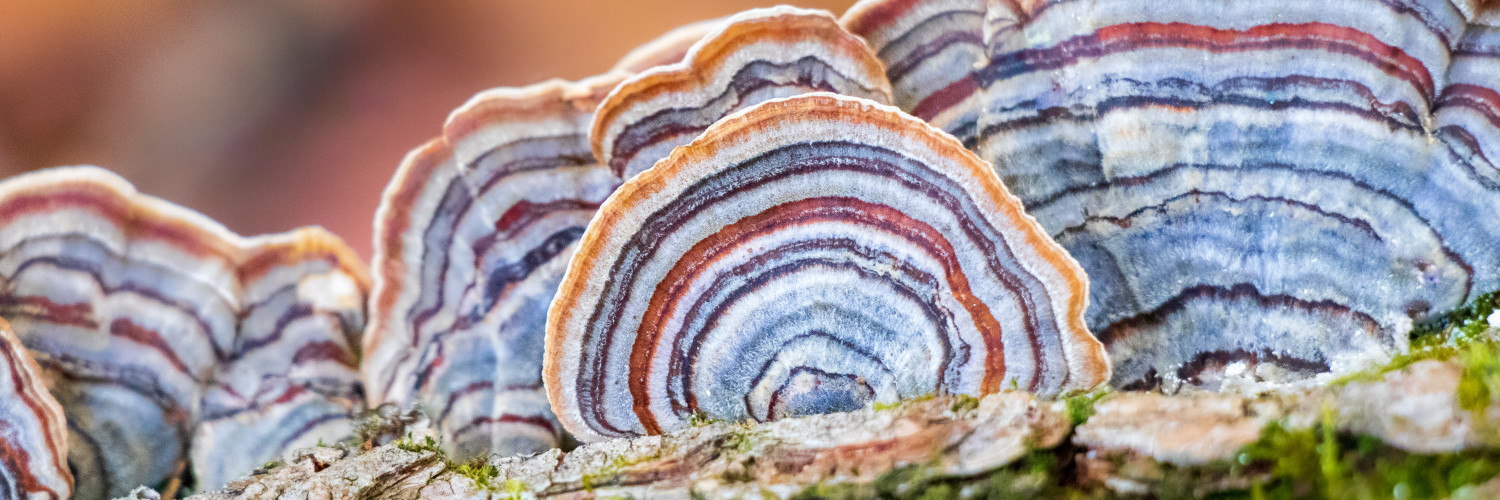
x,y
167,337
1265,192
809,255
33,433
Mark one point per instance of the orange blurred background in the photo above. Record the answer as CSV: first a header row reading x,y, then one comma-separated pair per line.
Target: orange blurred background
x,y
271,114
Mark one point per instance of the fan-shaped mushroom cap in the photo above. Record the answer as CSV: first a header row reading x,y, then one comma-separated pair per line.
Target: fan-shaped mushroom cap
x,y
156,323
292,380
810,254
33,436
930,49
1278,191
751,57
471,239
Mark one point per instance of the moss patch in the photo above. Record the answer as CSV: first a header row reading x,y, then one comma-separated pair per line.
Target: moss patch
x,y
481,472
610,473
1081,407
963,403
425,445
879,406
1039,474
514,490
1319,462
1459,332
700,418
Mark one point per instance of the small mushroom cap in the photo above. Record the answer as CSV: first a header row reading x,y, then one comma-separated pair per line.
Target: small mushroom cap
x,y
805,255
33,439
753,56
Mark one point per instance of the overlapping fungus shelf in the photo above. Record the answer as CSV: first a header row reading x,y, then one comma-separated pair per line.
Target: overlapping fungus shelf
x,y
34,435
167,336
751,57
471,239
808,255
1274,190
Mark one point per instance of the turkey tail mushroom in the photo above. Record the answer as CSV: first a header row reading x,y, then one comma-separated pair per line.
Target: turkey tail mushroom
x,y
1268,192
471,239
753,56
156,324
33,433
807,255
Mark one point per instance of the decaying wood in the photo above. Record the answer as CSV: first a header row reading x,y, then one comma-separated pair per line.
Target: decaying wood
x,y
718,459
1133,443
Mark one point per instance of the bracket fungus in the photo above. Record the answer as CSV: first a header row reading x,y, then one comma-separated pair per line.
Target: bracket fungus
x,y
166,335
751,57
33,433
1267,194
807,255
471,240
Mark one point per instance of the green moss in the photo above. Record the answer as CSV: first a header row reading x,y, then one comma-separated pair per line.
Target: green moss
x,y
269,466
1037,475
1468,321
1480,384
879,406
368,426
479,470
425,445
1451,335
1081,407
742,439
609,473
700,418
1319,462
514,490
964,403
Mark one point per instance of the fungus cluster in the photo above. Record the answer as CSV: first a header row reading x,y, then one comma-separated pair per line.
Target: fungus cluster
x,y
735,222
167,339
810,254
1283,189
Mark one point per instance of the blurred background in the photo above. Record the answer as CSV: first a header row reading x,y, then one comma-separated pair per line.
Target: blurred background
x,y
271,114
